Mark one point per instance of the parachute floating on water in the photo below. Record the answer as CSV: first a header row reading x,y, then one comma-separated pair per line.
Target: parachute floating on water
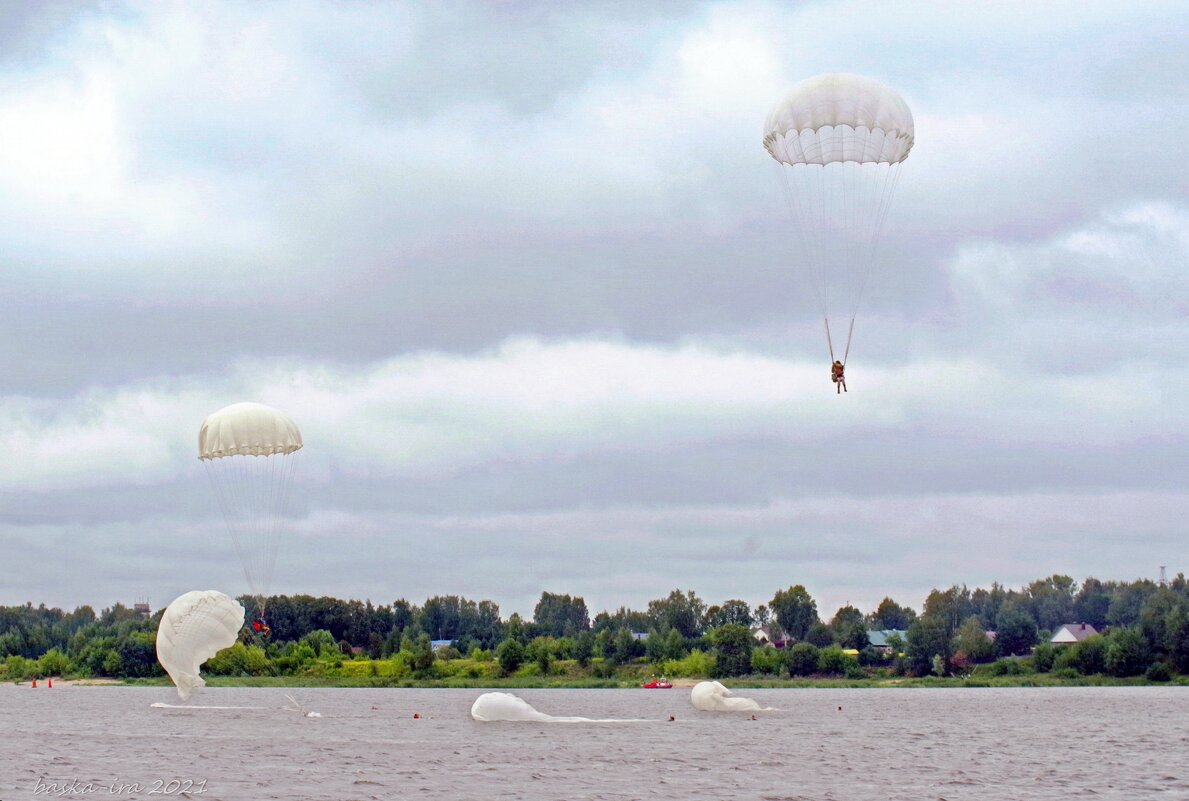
x,y
195,627
248,450
839,140
711,696
506,707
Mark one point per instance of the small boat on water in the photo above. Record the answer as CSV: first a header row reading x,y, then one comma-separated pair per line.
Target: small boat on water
x,y
658,684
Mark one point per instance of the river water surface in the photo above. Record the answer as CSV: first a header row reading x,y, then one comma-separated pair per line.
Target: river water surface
x,y
1128,744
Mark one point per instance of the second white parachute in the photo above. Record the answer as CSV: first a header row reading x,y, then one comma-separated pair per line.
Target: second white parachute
x,y
839,140
195,627
248,450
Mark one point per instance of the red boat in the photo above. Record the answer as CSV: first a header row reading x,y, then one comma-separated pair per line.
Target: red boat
x,y
658,684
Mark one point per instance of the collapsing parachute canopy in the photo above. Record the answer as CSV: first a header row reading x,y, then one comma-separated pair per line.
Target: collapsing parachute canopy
x,y
195,627
711,696
248,451
839,140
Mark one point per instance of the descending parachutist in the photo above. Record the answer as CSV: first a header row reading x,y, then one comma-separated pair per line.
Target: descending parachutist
x,y
838,376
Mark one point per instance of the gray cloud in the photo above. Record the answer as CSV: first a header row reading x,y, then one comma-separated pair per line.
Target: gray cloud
x,y
523,269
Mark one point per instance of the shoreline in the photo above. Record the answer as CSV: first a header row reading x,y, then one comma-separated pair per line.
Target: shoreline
x,y
524,683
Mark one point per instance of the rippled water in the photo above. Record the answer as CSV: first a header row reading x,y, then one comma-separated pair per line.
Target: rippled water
x,y
978,744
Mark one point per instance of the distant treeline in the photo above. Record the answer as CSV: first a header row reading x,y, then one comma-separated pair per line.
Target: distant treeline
x,y
1144,630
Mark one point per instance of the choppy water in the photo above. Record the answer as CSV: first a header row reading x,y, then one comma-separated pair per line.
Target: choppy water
x,y
977,745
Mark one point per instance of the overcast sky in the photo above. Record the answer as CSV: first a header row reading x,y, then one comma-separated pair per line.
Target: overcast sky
x,y
522,274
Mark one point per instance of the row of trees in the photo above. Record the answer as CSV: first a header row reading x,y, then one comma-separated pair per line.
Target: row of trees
x,y
952,627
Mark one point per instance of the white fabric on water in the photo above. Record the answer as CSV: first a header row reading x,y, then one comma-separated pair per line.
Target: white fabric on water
x,y
247,429
195,627
158,705
711,696
839,118
505,707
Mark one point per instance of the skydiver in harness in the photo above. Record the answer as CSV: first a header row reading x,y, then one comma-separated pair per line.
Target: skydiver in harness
x,y
260,626
838,376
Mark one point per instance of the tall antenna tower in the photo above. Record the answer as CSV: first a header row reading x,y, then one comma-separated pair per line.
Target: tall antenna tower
x,y
1163,577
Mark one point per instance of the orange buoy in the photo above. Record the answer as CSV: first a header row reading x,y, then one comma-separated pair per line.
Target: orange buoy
x,y
416,716
49,683
34,682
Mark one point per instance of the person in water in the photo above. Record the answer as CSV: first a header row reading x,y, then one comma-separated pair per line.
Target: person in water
x,y
838,376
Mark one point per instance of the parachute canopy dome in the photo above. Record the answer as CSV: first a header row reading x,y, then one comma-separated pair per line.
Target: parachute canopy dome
x,y
839,118
195,627
711,696
247,429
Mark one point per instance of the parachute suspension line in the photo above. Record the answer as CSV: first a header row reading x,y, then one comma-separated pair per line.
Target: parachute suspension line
x,y
281,489
226,505
792,182
253,492
849,335
830,342
881,200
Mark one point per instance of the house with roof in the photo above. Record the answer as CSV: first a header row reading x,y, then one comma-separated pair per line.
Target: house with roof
x,y
878,639
1072,633
766,637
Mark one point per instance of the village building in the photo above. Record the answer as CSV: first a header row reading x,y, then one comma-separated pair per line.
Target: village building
x,y
1071,633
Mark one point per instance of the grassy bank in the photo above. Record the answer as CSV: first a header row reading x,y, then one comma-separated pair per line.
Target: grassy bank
x,y
742,682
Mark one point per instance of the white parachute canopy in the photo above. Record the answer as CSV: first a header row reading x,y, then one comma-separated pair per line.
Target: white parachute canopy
x,y
248,450
194,628
710,696
505,707
838,141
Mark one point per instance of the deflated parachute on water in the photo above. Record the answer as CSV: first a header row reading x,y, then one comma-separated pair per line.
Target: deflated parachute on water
x,y
505,707
711,696
194,628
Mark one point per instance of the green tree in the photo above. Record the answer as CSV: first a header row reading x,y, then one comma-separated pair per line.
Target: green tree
x,y
1015,631
510,654
853,635
891,615
1051,601
420,656
682,611
733,643
1127,653
1091,604
819,634
138,655
1178,642
795,611
584,648
766,661
625,647
561,615
927,637
831,660
733,611
53,663
972,641
801,659
540,650
1089,655
1043,657
1127,602
675,646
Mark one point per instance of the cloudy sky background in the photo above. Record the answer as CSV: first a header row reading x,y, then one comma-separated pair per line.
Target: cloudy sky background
x,y
522,274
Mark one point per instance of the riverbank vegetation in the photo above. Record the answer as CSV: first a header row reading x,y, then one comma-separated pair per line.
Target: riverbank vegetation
x,y
984,637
